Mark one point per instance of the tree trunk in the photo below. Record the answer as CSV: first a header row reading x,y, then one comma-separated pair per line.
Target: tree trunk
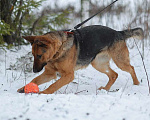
x,y
5,15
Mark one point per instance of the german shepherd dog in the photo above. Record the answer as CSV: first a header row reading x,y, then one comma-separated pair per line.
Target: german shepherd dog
x,y
65,53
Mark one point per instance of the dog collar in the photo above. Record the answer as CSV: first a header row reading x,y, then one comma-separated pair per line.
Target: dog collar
x,y
67,32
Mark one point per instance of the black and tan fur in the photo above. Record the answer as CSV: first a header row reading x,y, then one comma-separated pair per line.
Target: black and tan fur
x,y
65,53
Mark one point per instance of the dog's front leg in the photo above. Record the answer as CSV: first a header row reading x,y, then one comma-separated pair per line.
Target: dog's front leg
x,y
46,76
65,79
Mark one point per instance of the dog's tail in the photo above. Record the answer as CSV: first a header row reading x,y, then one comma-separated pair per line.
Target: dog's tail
x,y
135,33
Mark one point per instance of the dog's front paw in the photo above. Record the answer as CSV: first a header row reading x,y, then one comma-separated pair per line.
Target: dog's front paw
x,y
43,92
136,83
103,88
46,92
21,90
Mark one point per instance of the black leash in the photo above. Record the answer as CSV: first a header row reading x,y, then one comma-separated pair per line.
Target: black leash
x,y
80,24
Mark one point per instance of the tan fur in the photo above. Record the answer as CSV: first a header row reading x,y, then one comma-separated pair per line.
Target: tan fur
x,y
61,56
101,63
120,55
65,66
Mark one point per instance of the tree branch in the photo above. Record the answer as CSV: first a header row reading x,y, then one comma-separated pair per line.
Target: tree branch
x,y
144,66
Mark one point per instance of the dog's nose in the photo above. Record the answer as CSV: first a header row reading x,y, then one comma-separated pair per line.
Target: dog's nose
x,y
35,70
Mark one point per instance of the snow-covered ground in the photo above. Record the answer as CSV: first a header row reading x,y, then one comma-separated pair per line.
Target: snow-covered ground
x,y
80,100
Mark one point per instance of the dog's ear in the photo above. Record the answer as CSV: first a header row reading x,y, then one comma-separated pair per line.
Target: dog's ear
x,y
41,43
29,38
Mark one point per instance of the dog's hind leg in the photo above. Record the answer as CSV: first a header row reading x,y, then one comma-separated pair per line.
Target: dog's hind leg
x,y
101,63
46,76
120,55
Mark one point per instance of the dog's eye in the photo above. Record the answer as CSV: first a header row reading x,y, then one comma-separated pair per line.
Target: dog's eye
x,y
39,56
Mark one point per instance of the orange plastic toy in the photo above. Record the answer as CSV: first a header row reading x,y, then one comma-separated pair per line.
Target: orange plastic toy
x,y
31,88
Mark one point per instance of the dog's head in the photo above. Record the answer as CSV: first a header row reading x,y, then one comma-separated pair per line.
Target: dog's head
x,y
48,47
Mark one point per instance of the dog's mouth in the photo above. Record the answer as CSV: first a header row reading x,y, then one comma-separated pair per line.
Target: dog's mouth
x,y
36,68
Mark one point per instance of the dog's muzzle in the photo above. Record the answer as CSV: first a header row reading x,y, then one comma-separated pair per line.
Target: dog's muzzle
x,y
36,68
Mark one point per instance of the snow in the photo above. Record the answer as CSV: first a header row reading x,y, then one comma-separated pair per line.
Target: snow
x,y
79,100
75,107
